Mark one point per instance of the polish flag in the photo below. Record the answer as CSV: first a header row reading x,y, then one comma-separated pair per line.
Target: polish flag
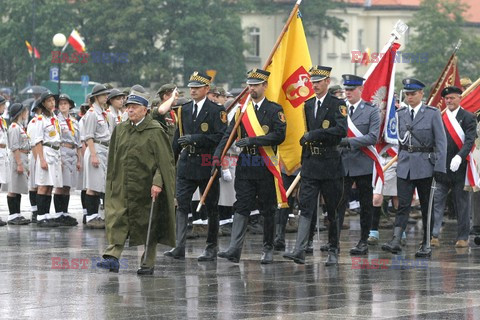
x,y
76,41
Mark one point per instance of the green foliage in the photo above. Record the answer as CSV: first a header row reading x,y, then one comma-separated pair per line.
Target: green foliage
x,y
438,25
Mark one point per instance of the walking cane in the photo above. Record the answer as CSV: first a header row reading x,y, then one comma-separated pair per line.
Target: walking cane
x,y
148,232
430,207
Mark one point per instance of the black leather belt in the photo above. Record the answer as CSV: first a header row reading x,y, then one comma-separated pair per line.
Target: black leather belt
x,y
51,146
321,150
103,143
416,149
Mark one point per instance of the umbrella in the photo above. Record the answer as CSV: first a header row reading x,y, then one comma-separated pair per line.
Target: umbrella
x,y
33,90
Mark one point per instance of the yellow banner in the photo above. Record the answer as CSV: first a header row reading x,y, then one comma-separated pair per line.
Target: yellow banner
x,y
289,85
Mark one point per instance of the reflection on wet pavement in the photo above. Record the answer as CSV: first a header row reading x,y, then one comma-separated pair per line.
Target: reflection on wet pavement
x,y
49,274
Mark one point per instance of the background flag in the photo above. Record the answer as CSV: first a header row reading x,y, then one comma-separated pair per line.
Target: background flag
x,y
76,41
449,77
379,89
32,51
289,85
471,97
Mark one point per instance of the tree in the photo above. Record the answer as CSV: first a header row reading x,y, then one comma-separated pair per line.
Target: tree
x,y
438,25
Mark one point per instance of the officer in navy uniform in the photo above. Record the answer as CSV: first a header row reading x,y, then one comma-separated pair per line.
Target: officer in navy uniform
x,y
252,176
322,169
454,180
200,128
422,155
358,166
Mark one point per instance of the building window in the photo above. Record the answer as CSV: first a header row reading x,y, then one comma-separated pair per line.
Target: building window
x,y
360,39
254,42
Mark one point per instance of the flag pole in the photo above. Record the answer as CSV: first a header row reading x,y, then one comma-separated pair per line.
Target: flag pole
x,y
238,121
442,75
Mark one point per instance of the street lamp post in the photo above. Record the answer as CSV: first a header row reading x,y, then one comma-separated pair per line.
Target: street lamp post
x,y
59,40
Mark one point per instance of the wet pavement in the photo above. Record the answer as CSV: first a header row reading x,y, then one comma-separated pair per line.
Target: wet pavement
x,y
33,285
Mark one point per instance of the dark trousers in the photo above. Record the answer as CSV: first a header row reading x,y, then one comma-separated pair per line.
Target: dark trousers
x,y
405,189
365,191
255,194
331,190
461,203
185,190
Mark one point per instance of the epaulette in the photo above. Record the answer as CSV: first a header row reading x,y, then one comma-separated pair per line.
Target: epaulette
x,y
312,98
368,104
33,120
432,108
402,108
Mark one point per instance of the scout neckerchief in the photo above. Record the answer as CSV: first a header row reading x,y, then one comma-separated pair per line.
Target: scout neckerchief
x,y
369,151
3,124
54,122
254,129
472,181
70,125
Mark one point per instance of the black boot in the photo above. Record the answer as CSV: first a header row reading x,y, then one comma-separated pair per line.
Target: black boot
x,y
268,234
239,230
210,252
394,246
298,254
279,242
424,251
360,249
311,235
181,224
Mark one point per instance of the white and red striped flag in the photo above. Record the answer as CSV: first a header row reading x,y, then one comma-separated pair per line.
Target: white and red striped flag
x,y
76,41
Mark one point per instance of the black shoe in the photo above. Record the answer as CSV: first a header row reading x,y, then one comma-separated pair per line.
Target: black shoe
x,y
423,251
2,223
309,248
34,217
325,247
19,221
209,254
47,223
267,255
110,263
298,256
232,255
278,245
394,246
332,259
69,221
145,271
175,253
84,220
360,249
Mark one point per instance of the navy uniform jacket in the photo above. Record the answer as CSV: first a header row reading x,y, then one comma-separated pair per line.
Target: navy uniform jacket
x,y
326,131
249,166
428,131
206,132
366,118
469,126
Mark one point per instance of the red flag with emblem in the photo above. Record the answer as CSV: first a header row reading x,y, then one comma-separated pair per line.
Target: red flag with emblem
x,y
289,85
471,97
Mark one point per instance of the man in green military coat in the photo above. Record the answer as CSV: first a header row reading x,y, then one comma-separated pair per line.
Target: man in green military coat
x,y
140,167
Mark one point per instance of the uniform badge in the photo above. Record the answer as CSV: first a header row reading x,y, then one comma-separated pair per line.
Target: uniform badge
x,y
325,124
52,133
223,116
343,110
265,129
204,127
281,116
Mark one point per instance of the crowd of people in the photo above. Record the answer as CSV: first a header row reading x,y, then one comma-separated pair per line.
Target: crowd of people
x,y
143,159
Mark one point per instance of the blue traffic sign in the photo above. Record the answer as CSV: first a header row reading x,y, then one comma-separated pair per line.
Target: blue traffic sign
x,y
54,74
85,80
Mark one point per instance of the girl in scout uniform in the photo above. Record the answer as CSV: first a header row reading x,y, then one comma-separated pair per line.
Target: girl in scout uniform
x,y
70,148
19,145
97,139
32,187
48,167
3,148
80,183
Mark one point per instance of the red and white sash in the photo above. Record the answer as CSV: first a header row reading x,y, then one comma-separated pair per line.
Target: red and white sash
x,y
472,180
370,151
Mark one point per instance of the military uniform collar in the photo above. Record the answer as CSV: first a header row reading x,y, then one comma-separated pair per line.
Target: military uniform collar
x,y
355,105
259,104
320,99
199,104
415,109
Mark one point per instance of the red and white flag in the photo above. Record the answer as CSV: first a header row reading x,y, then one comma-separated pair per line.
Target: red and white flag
x,y
378,89
76,41
471,98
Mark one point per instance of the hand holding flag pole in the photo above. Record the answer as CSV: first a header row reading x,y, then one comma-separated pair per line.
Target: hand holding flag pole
x,y
293,13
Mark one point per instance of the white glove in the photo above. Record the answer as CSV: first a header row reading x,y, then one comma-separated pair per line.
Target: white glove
x,y
226,175
455,164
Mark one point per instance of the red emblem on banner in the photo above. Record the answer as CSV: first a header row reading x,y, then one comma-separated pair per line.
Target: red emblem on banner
x,y
298,87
